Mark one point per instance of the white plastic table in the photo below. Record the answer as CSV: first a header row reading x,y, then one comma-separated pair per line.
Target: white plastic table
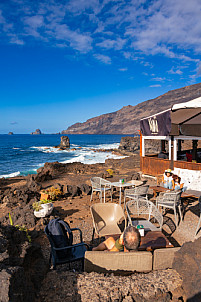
x,y
120,185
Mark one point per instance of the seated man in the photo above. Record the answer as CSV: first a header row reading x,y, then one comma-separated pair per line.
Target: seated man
x,y
129,240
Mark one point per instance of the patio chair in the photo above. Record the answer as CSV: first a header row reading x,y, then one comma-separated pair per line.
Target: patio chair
x,y
108,219
137,192
171,200
199,222
142,206
100,185
61,241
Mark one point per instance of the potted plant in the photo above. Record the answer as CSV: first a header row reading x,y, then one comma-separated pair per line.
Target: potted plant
x,y
43,208
50,193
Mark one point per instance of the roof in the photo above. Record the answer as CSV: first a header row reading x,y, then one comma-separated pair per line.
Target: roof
x,y
181,119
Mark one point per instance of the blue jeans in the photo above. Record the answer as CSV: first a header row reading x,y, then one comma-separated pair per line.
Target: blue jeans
x,y
168,185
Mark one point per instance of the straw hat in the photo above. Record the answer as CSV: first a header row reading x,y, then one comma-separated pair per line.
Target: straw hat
x,y
168,171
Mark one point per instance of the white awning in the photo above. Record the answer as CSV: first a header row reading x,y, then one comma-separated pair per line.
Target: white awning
x,y
196,103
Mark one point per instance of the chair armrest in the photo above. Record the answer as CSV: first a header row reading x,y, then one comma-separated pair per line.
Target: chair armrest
x,y
77,229
70,246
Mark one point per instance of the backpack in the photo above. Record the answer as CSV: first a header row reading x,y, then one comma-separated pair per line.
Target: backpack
x,y
61,235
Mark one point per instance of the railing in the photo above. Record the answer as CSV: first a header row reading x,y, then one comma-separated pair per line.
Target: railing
x,y
153,165
156,166
187,165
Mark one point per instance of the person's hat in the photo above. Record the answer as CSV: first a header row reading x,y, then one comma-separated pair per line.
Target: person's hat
x,y
168,171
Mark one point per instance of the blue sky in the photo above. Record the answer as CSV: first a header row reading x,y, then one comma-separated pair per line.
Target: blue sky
x,y
63,62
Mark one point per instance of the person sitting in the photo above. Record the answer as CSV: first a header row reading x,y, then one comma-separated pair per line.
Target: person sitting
x,y
128,241
167,179
163,155
176,183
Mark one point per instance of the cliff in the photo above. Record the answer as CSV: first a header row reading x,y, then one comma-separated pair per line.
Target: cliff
x,y
126,120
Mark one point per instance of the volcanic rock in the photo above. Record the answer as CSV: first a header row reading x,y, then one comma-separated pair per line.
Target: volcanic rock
x,y
37,132
86,189
65,143
43,176
57,168
22,266
130,144
32,184
187,263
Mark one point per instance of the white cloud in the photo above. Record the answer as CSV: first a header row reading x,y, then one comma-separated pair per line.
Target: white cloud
x,y
123,69
158,79
155,86
103,58
175,71
115,44
160,27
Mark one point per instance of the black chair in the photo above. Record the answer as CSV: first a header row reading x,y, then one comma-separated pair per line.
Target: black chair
x,y
62,248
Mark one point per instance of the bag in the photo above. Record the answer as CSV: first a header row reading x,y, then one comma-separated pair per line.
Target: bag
x,y
61,235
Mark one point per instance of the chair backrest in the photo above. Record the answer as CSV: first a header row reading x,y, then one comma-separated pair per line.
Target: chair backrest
x,y
106,214
143,206
97,182
199,199
172,196
142,190
59,235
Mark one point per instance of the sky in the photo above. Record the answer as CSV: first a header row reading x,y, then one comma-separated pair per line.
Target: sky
x,y
65,61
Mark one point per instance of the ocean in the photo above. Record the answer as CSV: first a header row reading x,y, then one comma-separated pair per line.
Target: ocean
x,y
23,154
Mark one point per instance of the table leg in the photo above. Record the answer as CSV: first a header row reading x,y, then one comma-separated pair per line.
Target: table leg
x,y
120,196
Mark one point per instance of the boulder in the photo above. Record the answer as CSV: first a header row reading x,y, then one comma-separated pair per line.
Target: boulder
x,y
37,132
32,184
65,143
187,262
86,189
130,144
73,191
43,176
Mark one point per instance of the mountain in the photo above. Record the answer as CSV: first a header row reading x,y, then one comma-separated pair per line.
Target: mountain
x,y
127,119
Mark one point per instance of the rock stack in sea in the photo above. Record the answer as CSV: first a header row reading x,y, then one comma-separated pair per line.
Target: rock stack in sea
x,y
65,143
37,132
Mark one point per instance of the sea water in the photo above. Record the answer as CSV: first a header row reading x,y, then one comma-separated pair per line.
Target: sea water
x,y
23,154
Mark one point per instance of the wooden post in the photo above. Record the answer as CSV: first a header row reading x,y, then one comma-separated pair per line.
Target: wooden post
x,y
194,152
179,145
140,142
163,146
172,153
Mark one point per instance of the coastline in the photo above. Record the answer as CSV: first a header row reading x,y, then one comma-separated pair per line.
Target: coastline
x,y
24,154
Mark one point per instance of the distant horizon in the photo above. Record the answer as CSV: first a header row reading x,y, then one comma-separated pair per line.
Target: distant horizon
x,y
68,61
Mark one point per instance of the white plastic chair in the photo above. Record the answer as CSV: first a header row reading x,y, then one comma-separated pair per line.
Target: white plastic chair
x,y
171,200
100,185
137,192
142,206
199,222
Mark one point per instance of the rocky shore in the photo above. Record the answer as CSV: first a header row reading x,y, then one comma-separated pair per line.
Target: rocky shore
x,y
24,274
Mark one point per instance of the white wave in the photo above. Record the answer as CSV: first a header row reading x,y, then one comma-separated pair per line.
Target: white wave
x,y
107,146
47,149
10,175
91,157
15,148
